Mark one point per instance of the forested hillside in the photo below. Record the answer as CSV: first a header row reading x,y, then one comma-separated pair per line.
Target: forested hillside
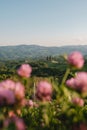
x,y
34,51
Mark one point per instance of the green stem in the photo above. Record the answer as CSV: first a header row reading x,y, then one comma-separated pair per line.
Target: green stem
x,y
34,90
65,77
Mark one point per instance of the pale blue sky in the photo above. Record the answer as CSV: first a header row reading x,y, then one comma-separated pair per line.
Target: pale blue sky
x,y
43,22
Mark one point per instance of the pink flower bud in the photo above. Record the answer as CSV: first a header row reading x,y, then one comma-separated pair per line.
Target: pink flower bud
x,y
44,91
24,70
30,103
71,83
81,81
78,101
76,59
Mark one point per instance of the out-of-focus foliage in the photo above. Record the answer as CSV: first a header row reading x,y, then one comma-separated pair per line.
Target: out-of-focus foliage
x,y
43,101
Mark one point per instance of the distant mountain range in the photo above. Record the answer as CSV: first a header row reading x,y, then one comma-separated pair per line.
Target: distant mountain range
x,y
35,51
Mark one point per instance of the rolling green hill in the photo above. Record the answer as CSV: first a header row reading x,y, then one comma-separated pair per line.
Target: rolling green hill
x,y
35,51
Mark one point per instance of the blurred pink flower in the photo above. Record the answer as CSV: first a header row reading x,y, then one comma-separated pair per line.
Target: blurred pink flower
x,y
11,114
81,126
30,103
25,70
19,123
81,81
23,102
44,91
71,83
18,111
8,84
19,91
7,97
76,59
78,101
46,98
11,91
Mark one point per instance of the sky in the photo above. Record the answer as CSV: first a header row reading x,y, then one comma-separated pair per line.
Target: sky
x,y
43,22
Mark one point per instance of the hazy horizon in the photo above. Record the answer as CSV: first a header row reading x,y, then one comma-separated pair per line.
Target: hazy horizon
x,y
42,45
45,23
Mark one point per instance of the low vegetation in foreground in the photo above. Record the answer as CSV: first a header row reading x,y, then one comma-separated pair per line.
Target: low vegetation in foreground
x,y
49,95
